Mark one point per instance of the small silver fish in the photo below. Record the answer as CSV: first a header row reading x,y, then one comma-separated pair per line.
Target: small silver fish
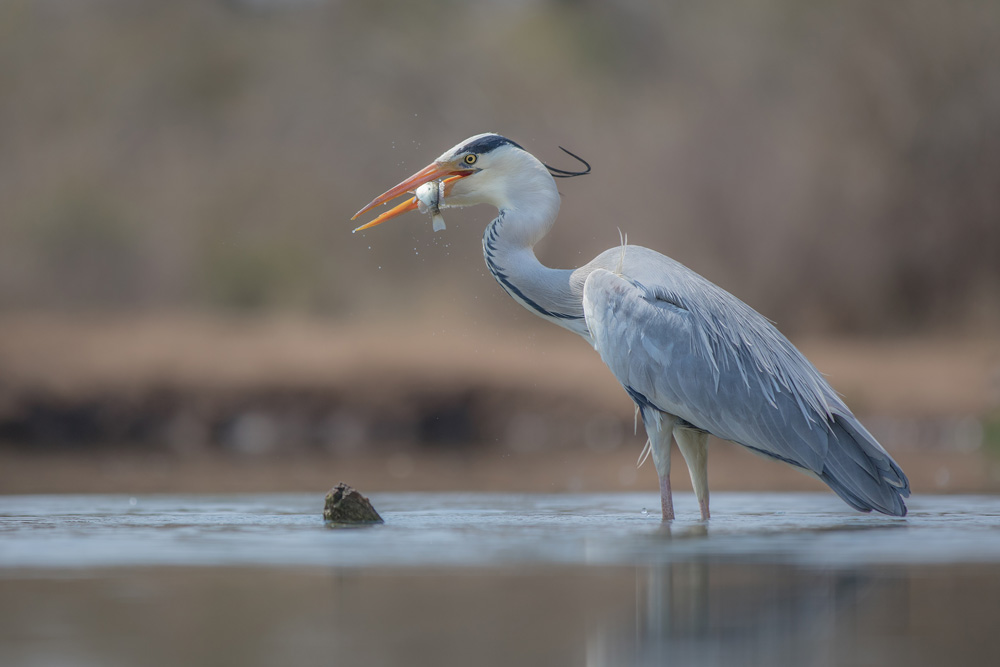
x,y
429,197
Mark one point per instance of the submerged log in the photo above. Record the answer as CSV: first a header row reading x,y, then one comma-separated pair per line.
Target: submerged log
x,y
346,505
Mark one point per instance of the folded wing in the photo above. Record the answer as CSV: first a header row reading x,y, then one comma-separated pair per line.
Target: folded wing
x,y
686,347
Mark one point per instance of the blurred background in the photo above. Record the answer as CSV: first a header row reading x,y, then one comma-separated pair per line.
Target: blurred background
x,y
183,305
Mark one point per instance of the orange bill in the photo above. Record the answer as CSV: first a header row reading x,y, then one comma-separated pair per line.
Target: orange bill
x,y
433,171
407,205
425,175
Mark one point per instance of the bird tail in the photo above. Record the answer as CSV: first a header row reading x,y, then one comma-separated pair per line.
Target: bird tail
x,y
861,472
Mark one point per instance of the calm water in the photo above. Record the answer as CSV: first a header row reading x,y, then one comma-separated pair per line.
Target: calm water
x,y
492,579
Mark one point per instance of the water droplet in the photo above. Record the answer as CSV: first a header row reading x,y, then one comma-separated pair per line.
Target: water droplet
x,y
133,502
645,511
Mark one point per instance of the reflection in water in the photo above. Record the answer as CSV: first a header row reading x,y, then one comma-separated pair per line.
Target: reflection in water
x,y
723,611
697,612
708,613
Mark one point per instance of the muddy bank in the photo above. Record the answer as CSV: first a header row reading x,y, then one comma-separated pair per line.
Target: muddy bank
x,y
266,419
196,389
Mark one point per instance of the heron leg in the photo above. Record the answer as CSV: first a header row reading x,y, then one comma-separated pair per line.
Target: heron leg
x,y
660,429
694,447
666,499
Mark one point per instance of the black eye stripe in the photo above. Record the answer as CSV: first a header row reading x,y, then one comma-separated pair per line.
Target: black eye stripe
x,y
487,144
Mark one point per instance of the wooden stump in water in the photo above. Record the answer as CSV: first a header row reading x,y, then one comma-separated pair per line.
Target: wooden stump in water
x,y
345,505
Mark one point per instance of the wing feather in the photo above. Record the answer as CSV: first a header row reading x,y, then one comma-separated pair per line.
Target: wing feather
x,y
695,351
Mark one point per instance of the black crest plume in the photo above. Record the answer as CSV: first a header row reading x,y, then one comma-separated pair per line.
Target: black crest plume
x,y
562,173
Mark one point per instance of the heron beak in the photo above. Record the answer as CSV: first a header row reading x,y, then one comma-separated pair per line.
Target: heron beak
x,y
449,172
400,209
407,205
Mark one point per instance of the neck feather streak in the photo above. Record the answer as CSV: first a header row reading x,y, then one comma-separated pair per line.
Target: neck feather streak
x,y
511,259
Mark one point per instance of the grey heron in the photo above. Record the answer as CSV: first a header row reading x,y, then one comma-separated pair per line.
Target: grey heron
x,y
694,358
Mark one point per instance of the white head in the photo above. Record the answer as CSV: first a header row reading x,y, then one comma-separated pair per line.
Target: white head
x,y
502,169
484,169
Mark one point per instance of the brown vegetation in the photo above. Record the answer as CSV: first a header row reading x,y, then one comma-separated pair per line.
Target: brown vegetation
x,y
833,164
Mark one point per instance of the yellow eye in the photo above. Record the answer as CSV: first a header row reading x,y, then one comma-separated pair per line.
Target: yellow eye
x,y
470,158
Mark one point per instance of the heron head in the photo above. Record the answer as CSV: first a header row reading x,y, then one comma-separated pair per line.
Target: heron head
x,y
484,169
474,171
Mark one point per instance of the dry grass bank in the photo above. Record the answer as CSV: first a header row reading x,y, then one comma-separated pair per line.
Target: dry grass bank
x,y
544,413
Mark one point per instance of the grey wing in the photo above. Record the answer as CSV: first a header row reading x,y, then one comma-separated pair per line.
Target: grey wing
x,y
681,345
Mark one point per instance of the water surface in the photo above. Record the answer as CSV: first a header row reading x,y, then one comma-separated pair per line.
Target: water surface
x,y
484,579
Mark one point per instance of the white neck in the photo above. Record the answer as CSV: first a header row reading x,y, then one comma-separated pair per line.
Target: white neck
x,y
527,212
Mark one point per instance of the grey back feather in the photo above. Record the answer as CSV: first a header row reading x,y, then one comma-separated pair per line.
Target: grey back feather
x,y
691,349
